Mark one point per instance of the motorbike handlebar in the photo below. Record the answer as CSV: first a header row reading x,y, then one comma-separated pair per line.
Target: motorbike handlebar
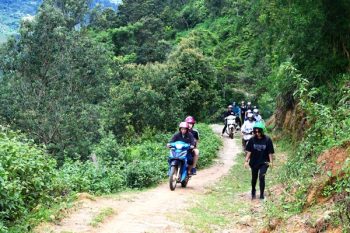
x,y
248,133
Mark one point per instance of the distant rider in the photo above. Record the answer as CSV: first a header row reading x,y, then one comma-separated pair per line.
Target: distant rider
x,y
249,106
191,122
259,157
229,112
247,129
247,113
243,108
257,115
237,112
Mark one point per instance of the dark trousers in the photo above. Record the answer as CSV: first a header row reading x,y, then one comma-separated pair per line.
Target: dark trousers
x,y
259,171
223,130
238,122
242,118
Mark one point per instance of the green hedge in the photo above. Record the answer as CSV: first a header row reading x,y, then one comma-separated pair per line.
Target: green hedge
x,y
27,177
209,144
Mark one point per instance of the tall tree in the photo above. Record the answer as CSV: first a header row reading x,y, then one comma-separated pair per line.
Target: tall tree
x,y
53,78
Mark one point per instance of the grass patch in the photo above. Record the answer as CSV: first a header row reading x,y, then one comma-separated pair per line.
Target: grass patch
x,y
218,206
105,213
228,202
285,201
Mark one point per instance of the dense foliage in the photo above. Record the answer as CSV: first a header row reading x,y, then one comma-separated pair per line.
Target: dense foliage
x,y
27,177
108,86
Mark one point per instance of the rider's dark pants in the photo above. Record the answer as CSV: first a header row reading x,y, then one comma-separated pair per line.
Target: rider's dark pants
x,y
242,118
243,143
238,122
259,171
223,130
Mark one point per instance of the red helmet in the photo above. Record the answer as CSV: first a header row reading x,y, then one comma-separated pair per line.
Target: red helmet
x,y
183,125
190,120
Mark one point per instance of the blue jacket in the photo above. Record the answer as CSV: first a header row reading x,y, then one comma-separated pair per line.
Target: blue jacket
x,y
237,110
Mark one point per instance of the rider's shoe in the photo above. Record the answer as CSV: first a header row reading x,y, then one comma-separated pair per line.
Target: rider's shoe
x,y
194,171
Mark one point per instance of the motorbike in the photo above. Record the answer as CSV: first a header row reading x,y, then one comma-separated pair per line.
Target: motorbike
x,y
246,136
232,126
178,164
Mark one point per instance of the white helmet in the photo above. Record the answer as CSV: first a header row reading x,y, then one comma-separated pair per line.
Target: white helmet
x,y
249,111
256,110
249,103
250,115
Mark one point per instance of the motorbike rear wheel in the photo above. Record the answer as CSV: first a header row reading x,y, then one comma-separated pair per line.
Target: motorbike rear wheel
x,y
172,178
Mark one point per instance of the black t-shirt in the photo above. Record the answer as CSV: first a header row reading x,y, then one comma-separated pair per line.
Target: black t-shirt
x,y
260,149
187,138
228,113
195,134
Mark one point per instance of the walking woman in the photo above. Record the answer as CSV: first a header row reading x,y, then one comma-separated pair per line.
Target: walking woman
x,y
259,157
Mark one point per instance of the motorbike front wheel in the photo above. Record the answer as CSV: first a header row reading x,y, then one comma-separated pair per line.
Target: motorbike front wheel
x,y
172,178
184,182
231,133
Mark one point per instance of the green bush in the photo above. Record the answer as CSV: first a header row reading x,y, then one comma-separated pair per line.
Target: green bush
x,y
143,173
146,163
90,177
26,177
209,144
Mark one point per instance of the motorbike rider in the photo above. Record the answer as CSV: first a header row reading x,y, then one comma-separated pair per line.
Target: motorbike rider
x,y
247,130
237,112
246,118
257,115
226,114
184,136
243,108
259,157
191,122
249,107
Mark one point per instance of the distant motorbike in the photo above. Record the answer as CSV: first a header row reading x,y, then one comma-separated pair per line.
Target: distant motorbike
x,y
178,164
232,126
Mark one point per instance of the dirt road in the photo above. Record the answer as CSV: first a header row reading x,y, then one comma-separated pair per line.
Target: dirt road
x,y
147,211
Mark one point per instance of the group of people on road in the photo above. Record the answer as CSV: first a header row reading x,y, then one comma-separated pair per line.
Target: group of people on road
x,y
257,145
243,113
